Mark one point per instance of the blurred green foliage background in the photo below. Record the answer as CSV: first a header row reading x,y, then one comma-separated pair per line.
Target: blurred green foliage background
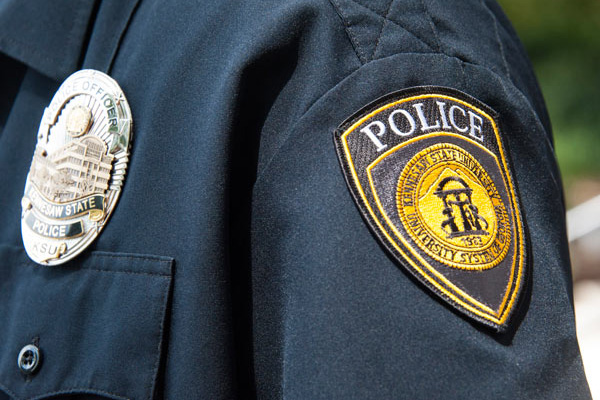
x,y
562,38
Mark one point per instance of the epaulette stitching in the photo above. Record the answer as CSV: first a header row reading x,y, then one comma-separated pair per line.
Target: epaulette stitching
x,y
433,28
398,24
353,39
385,20
501,48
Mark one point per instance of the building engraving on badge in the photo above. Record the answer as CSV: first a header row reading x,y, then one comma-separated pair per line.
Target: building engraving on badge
x,y
429,172
78,167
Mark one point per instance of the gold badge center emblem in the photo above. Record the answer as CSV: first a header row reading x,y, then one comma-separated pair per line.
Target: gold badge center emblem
x,y
78,167
452,210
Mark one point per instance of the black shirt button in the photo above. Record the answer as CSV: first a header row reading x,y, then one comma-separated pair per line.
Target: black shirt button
x,y
29,359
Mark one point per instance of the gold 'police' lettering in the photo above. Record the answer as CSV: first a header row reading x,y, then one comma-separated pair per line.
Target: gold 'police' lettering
x,y
455,119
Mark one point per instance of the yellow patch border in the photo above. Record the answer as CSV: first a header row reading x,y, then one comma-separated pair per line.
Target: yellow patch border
x,y
447,288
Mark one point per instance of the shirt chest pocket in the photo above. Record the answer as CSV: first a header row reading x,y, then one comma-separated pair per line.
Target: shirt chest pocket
x,y
94,325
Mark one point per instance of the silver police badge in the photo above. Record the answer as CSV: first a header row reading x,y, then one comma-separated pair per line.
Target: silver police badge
x,y
78,167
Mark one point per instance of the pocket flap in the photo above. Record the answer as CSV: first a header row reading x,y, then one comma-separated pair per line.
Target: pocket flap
x,y
98,323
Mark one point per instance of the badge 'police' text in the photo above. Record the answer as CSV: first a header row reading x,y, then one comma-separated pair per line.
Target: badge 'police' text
x,y
431,176
78,167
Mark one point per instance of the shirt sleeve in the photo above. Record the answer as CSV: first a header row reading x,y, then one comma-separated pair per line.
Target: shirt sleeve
x,y
335,313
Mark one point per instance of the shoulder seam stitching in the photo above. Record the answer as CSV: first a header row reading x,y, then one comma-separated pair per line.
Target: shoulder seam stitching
x,y
267,164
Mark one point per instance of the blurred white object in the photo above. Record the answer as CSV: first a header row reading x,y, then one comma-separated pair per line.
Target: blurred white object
x,y
583,219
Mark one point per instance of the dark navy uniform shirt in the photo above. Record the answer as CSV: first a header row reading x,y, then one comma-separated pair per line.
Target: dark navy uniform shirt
x,y
236,263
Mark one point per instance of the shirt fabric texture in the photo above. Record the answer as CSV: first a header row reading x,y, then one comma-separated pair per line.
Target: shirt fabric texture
x,y
236,264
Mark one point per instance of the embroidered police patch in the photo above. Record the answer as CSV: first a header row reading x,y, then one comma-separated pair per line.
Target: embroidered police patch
x,y
78,167
431,176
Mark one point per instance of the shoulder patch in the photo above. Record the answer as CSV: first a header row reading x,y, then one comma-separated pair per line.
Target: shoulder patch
x,y
430,174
